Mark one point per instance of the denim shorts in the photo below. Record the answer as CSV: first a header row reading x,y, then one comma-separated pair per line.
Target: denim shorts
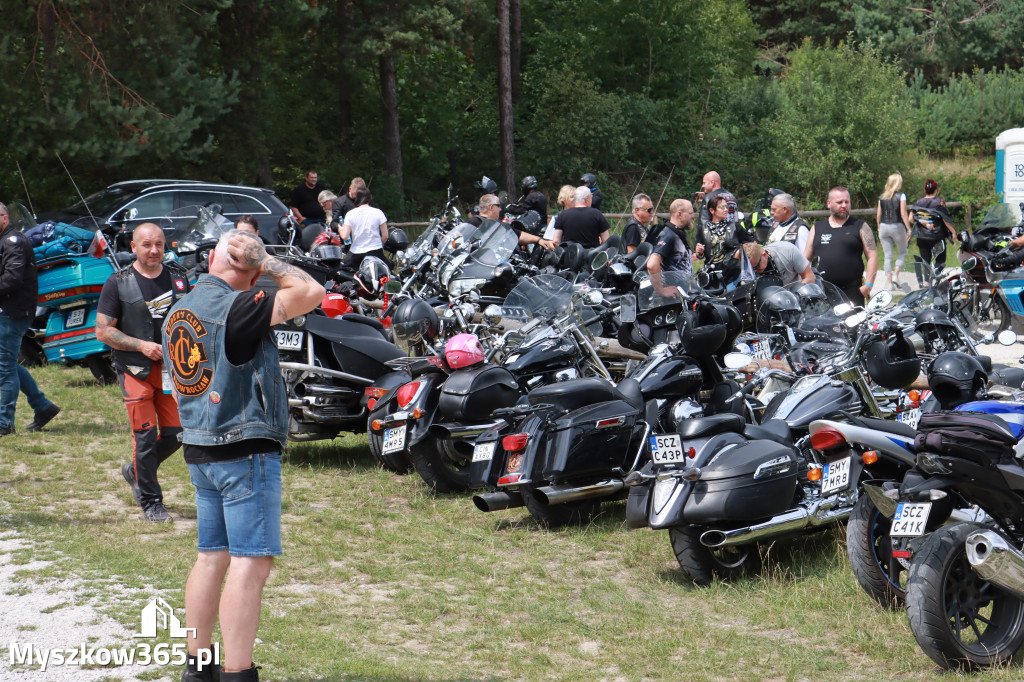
x,y
238,505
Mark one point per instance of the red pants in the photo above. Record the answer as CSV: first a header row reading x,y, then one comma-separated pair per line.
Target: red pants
x,y
153,416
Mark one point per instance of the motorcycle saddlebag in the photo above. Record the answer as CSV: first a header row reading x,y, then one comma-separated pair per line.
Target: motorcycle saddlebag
x,y
975,436
474,393
751,481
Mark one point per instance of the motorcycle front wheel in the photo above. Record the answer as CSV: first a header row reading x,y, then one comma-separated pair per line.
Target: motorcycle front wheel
x,y
870,550
703,564
991,315
959,619
443,464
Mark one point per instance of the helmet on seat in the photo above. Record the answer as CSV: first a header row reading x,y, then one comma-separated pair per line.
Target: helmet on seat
x,y
956,378
528,183
780,310
397,240
704,330
937,331
486,185
813,300
336,305
369,275
892,363
463,350
589,179
414,325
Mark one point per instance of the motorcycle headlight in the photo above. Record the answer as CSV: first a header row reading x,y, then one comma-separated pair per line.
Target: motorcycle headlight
x,y
464,286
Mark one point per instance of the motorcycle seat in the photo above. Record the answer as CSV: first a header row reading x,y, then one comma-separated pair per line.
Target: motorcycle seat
x,y
712,426
776,430
356,317
572,395
898,428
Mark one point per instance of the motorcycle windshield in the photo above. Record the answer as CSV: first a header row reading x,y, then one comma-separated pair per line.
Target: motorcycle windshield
x,y
207,226
801,305
1001,216
425,242
496,247
464,236
20,217
541,296
664,289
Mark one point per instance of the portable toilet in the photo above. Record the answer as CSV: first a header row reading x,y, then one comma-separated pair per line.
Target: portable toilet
x,y
1010,165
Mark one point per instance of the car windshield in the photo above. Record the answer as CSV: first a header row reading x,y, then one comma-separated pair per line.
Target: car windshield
x,y
101,203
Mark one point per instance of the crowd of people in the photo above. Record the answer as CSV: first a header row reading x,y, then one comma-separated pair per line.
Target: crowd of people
x,y
196,363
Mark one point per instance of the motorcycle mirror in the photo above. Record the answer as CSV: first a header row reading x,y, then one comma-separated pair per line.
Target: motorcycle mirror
x,y
842,308
593,297
969,263
855,320
492,315
600,260
627,308
880,300
703,278
1007,337
392,286
737,360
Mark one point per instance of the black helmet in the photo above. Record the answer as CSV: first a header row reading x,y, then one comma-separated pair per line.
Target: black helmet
x,y
283,226
398,240
733,327
936,330
956,378
766,200
589,179
703,331
529,222
893,363
414,325
528,183
369,275
486,185
780,309
813,300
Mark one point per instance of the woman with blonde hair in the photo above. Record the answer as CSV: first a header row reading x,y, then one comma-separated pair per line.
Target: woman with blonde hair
x,y
566,199
893,225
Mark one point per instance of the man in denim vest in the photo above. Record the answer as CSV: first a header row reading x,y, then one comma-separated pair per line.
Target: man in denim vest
x,y
232,400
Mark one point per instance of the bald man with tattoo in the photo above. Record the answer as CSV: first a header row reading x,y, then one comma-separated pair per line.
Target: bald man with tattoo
x,y
131,309
840,242
222,354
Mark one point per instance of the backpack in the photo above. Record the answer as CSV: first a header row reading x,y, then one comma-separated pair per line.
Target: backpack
x,y
975,436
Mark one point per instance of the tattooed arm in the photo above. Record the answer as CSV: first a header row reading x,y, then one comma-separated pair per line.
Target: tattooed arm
x,y
867,238
298,294
108,333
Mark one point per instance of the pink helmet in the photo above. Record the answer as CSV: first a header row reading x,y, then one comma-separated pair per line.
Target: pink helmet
x,y
463,350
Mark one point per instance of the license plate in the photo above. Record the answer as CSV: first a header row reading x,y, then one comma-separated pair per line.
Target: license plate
x,y
289,340
910,519
483,452
910,417
394,439
75,318
667,449
836,476
762,350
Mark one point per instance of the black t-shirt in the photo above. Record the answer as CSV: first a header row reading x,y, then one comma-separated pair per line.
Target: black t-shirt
x,y
156,292
247,326
582,225
671,246
536,201
634,233
341,206
305,199
596,197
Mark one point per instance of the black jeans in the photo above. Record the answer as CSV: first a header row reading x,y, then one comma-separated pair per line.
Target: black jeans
x,y
933,252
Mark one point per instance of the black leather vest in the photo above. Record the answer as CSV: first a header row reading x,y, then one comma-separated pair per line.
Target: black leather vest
x,y
137,321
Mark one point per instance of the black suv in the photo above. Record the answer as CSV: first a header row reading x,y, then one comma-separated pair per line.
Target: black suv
x,y
124,205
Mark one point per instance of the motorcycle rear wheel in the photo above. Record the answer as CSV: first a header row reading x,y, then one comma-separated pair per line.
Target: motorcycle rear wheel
x,y
870,550
394,461
441,465
960,620
703,564
101,369
559,515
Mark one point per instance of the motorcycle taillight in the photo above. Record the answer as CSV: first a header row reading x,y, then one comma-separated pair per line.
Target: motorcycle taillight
x,y
827,438
407,393
514,442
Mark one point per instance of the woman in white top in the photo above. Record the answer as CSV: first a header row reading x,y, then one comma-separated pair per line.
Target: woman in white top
x,y
368,227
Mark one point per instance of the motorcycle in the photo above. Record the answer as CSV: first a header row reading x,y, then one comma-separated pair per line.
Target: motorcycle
x,y
989,284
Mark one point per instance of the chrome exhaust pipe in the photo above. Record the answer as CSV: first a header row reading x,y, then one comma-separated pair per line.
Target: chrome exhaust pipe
x,y
459,431
488,502
304,390
795,520
996,560
560,494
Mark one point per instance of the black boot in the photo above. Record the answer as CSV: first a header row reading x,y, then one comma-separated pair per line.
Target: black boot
x,y
209,673
250,675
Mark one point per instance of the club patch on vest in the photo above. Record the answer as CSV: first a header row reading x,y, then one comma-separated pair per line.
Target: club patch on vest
x,y
190,372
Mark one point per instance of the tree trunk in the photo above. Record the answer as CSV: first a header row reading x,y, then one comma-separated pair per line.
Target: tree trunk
x,y
508,154
392,135
515,8
346,77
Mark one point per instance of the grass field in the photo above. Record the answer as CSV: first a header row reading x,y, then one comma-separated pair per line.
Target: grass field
x,y
383,580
